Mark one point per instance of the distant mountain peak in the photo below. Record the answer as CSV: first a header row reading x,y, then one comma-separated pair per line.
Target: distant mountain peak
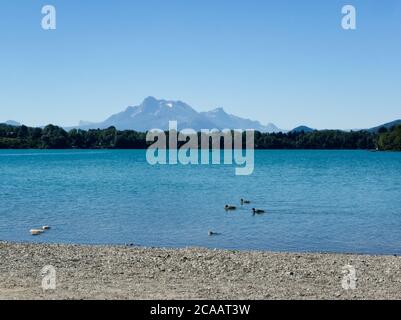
x,y
302,128
12,123
155,113
150,104
150,99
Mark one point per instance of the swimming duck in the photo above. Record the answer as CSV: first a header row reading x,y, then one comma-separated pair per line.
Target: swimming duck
x,y
245,201
36,232
227,207
258,211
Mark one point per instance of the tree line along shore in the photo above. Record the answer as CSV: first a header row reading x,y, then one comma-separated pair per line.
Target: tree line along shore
x,y
54,137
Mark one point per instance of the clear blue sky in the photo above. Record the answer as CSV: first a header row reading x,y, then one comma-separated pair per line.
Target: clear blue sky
x,y
288,62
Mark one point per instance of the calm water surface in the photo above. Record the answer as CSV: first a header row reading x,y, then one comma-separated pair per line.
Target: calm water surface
x,y
332,201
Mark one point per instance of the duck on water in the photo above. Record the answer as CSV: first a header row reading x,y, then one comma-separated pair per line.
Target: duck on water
x,y
258,211
36,232
230,208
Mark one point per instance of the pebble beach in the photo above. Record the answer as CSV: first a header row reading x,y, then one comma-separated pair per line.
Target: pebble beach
x,y
124,272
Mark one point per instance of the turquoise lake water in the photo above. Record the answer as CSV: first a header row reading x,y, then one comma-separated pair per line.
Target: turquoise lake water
x,y
330,201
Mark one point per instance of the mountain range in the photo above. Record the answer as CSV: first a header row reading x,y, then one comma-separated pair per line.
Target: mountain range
x,y
156,114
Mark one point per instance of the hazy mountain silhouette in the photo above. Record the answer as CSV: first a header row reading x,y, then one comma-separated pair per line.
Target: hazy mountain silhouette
x,y
156,114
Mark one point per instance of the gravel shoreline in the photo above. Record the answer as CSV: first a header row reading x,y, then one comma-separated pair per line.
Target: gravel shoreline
x,y
118,272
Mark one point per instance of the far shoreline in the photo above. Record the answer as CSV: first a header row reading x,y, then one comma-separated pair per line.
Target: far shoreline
x,y
384,138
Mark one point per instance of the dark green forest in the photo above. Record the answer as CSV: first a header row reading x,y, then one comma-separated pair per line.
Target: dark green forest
x,y
53,137
390,140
